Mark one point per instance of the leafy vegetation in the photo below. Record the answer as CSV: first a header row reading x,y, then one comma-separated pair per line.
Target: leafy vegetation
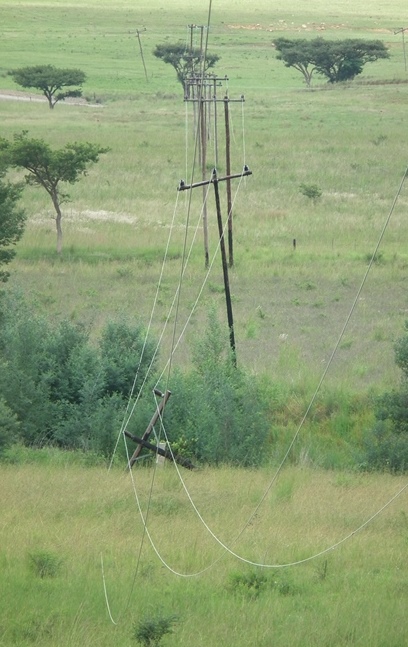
x,y
186,61
58,387
387,443
12,223
47,168
150,631
338,60
222,414
50,80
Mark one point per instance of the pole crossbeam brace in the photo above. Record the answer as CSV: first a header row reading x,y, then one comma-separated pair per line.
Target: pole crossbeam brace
x,y
214,100
166,453
157,414
215,181
214,178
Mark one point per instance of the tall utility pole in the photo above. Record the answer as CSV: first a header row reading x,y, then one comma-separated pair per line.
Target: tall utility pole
x,y
402,32
197,90
228,172
138,32
214,181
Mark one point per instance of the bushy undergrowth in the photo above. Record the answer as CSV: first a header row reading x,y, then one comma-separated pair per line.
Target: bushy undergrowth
x,y
221,414
386,446
59,388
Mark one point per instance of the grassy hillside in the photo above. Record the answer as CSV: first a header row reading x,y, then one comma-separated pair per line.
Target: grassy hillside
x,y
289,306
57,522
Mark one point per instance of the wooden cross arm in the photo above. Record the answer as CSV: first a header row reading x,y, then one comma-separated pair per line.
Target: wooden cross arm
x,y
162,452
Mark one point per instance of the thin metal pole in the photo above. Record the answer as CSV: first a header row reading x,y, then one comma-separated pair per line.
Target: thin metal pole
x,y
225,269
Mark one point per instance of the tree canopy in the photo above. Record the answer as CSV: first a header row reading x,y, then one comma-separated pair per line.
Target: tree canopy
x,y
186,62
12,221
48,168
339,60
51,81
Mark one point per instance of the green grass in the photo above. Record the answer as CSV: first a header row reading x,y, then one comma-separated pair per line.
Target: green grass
x,y
289,308
67,515
346,140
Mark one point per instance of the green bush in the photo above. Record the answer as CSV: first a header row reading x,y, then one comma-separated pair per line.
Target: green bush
x,y
63,389
150,631
45,564
218,412
386,445
9,427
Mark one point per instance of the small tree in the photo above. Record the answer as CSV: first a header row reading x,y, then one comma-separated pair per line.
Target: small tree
x,y
12,221
186,62
51,81
48,168
340,60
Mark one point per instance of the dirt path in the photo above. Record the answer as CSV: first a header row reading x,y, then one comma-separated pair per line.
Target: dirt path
x,y
16,95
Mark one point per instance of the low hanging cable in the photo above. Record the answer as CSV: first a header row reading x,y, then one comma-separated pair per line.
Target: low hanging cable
x,y
120,434
228,549
386,223
158,345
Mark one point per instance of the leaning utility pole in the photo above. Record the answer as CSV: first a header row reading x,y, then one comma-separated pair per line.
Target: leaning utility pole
x,y
402,32
138,32
214,181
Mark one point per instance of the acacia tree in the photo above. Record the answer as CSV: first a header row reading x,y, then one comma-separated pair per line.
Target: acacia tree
x,y
51,81
185,61
298,54
340,60
12,221
48,168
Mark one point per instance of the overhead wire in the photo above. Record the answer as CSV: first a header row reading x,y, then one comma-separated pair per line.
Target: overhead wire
x,y
300,426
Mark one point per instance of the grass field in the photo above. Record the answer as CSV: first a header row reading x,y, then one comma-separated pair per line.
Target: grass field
x,y
63,518
290,307
347,140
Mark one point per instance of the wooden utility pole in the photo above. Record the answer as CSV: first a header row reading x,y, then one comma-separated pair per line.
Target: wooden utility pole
x,y
203,151
402,32
157,414
228,172
214,181
166,453
138,32
200,97
225,266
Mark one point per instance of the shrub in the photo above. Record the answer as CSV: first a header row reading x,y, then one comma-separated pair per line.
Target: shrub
x,y
61,388
9,427
386,445
45,564
219,413
150,631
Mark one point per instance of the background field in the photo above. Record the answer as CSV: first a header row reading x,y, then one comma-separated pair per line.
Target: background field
x,y
290,307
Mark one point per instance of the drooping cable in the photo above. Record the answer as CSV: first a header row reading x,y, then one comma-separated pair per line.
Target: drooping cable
x,y
120,434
